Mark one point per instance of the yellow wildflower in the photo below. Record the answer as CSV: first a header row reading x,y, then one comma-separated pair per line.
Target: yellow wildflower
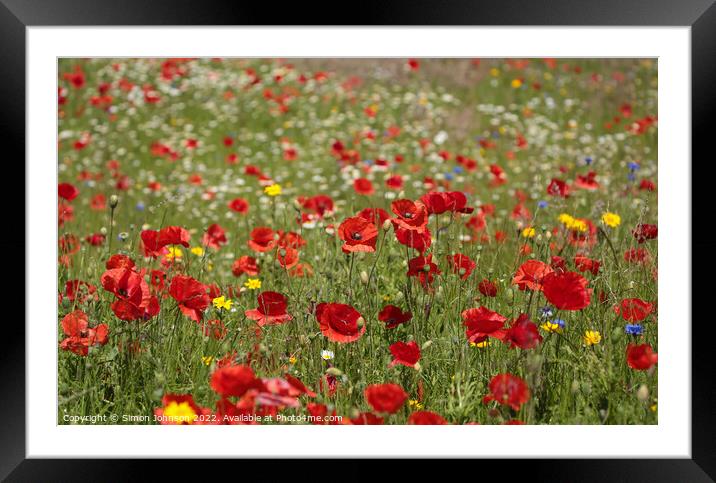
x,y
252,283
273,190
222,303
592,337
528,232
207,360
173,253
481,345
179,413
198,251
516,83
551,327
414,403
611,219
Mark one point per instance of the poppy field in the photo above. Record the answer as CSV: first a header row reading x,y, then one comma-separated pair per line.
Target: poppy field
x,y
357,241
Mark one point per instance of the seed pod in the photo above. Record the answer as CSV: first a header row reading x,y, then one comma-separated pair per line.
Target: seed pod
x,y
113,201
642,394
334,371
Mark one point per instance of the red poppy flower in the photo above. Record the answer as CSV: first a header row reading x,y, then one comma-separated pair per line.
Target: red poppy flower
x,y
319,206
558,263
586,238
119,261
271,309
262,239
482,323
523,333
363,186
508,389
634,310
358,234
644,232
300,386
290,239
287,257
234,381
385,398
587,182
65,213
191,296
530,275
424,269
95,239
641,357
245,264
173,235
79,335
413,239
585,264
393,316
239,205
557,187
410,215
367,418
461,265
80,291
566,290
340,322
405,354
215,329
487,288
636,255
98,202
437,203
394,182
67,191
377,216
214,237
134,300
426,418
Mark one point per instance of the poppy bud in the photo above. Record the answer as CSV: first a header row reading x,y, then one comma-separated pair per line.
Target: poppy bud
x,y
113,201
426,345
360,322
575,387
642,394
417,366
103,230
364,277
426,268
334,371
548,235
386,225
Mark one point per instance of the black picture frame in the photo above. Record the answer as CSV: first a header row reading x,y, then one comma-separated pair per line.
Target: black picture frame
x,y
700,15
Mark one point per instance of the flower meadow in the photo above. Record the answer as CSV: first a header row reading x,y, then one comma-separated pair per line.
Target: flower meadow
x,y
357,241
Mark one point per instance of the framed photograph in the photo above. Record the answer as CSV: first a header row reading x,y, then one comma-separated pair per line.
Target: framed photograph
x,y
433,232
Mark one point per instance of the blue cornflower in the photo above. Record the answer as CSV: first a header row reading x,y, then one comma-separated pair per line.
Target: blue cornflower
x,y
546,312
139,206
448,176
633,166
588,160
542,204
631,177
457,169
634,329
369,162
